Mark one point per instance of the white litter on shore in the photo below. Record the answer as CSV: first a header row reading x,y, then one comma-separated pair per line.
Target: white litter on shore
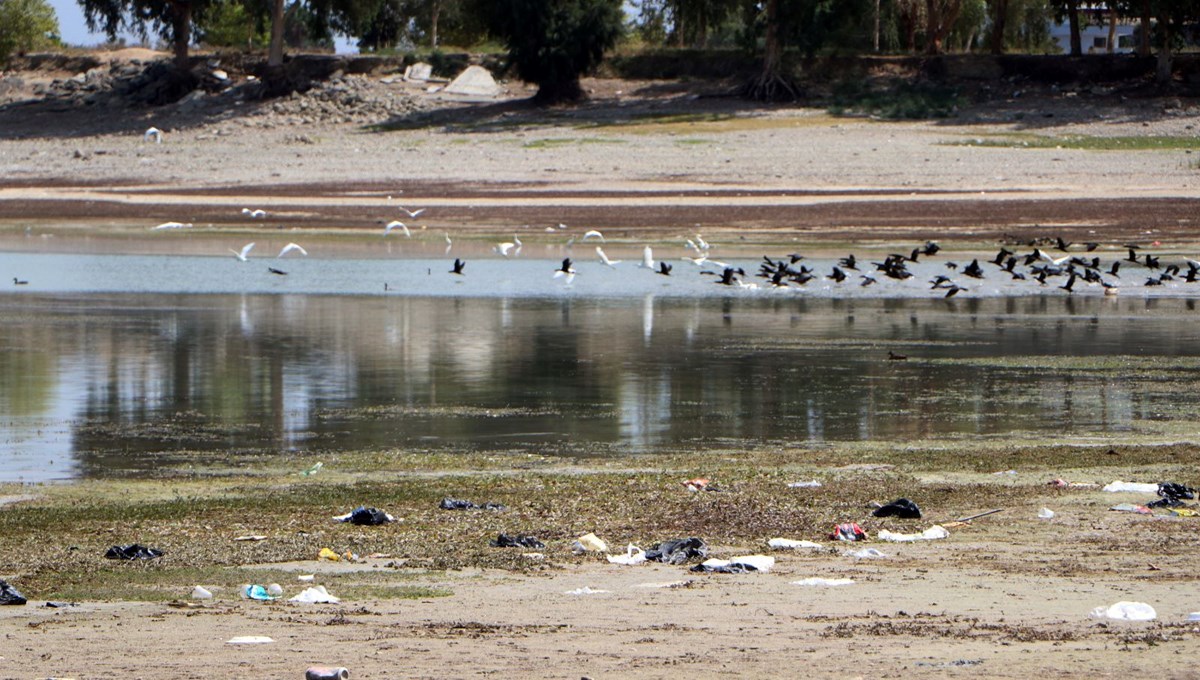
x,y
933,533
824,582
790,544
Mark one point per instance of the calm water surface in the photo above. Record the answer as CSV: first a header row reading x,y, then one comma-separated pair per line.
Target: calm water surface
x,y
114,383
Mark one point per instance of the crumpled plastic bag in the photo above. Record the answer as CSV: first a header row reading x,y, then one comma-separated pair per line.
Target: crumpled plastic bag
x,y
512,541
824,582
132,551
1126,611
10,595
848,531
633,555
791,544
737,565
678,551
257,592
364,516
933,533
315,595
589,543
865,554
1130,487
901,507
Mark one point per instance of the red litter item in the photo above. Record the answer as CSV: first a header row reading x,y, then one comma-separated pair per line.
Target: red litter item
x,y
850,531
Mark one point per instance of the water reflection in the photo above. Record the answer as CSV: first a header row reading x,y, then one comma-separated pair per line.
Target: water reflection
x,y
111,384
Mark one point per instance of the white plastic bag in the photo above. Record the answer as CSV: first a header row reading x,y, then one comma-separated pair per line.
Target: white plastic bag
x,y
315,595
1131,487
933,533
633,555
1126,611
790,544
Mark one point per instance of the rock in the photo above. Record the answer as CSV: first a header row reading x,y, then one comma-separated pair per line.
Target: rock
x,y
475,81
419,71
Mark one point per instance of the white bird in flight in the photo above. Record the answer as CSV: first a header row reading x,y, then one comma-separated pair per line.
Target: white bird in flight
x,y
594,234
172,225
449,243
396,224
257,213
241,256
152,133
702,244
504,248
412,214
604,258
1046,258
290,247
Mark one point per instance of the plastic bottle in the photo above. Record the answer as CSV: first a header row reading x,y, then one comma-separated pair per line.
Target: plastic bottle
x,y
326,673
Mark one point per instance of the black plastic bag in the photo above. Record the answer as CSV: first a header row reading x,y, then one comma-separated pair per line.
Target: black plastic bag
x,y
1173,491
458,504
901,507
10,595
368,517
678,551
132,552
507,541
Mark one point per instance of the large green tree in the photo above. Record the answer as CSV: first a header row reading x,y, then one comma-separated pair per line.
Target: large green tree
x,y
554,42
170,19
26,25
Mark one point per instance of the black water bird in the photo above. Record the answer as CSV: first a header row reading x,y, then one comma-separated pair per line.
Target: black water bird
x,y
973,270
1018,276
867,280
19,282
664,269
728,277
951,265
930,249
1009,264
1001,256
566,267
278,272
1191,274
892,356
940,281
1091,246
849,262
795,257
953,290
1070,285
1113,270
1153,281
1172,269
1133,256
838,275
1151,261
1063,245
458,267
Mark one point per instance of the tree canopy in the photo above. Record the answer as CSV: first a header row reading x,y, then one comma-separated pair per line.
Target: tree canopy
x,y
26,25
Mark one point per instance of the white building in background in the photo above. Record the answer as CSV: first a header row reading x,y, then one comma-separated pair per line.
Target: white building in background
x,y
1093,34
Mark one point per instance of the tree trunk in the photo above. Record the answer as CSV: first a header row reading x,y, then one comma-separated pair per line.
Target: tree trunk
x,y
940,16
876,45
999,22
772,84
435,11
1112,31
181,31
1144,38
275,53
1162,74
1073,20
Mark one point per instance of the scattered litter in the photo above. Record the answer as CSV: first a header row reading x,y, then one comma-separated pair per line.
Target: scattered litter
x,y
327,554
1064,484
1130,507
589,543
132,552
1004,472
667,584
1172,495
306,577
700,484
1185,512
252,537
678,551
790,544
811,484
951,664
533,556
507,541
459,504
315,595
1194,616
933,533
1126,611
849,531
901,507
865,553
201,593
60,605
326,673
633,555
10,595
275,590
256,592
1131,487
737,565
824,582
312,470
367,517
249,640
586,590
985,513
1045,513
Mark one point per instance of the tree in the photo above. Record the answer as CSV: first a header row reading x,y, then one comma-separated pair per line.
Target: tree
x,y
228,23
940,16
772,84
170,19
26,25
554,42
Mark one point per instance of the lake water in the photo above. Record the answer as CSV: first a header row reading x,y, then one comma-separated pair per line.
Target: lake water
x,y
100,376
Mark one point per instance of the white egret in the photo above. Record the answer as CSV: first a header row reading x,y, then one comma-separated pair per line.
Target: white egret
x,y
604,258
257,213
504,248
412,214
290,247
449,244
518,244
594,234
1046,258
241,255
396,224
647,258
702,244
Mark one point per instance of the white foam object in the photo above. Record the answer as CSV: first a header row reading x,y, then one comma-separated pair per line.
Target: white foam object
x,y
824,582
933,533
586,590
275,590
865,553
315,595
1045,513
306,577
811,484
791,544
633,555
1126,611
249,640
201,593
1131,487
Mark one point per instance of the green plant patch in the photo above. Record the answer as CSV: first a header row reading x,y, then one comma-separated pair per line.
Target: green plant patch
x,y
1083,142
